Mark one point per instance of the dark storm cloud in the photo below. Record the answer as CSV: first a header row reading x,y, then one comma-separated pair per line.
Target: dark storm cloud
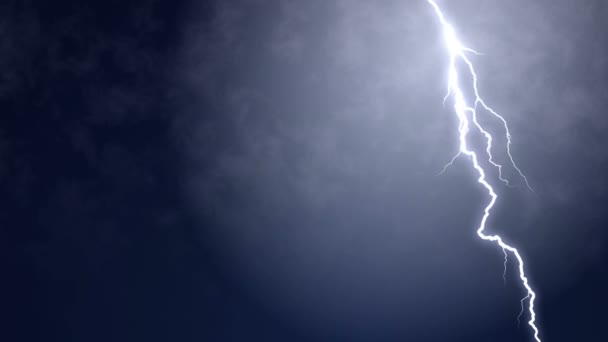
x,y
85,162
317,131
64,80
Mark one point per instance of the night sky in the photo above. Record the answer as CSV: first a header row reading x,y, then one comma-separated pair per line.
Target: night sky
x,y
264,170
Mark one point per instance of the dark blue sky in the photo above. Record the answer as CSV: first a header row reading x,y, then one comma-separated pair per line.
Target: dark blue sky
x,y
264,170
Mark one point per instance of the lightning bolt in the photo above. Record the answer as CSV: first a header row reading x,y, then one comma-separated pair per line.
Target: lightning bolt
x,y
458,53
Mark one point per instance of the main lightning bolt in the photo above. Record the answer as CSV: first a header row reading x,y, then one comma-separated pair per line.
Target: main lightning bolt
x,y
459,54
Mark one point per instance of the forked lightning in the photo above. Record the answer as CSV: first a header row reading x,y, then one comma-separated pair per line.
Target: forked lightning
x,y
466,111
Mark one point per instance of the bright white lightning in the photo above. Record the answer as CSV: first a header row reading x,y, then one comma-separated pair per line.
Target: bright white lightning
x,y
458,53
